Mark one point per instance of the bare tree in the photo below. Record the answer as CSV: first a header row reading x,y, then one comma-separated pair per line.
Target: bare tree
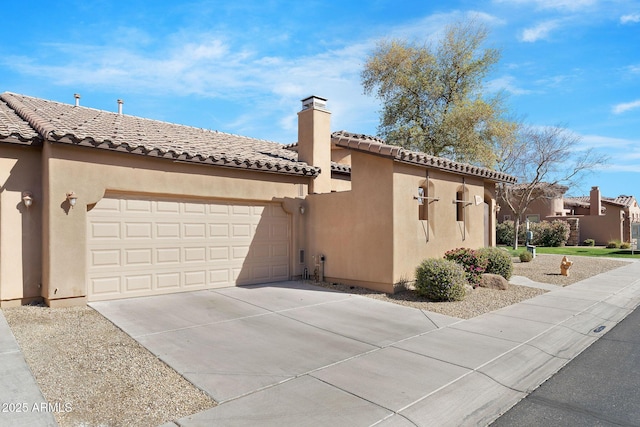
x,y
543,159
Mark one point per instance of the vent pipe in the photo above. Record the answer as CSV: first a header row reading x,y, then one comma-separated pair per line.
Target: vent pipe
x,y
77,97
120,102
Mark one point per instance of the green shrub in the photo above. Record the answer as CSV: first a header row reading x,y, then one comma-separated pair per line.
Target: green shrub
x,y
440,280
613,245
498,261
553,234
504,233
545,233
625,245
589,242
526,256
473,262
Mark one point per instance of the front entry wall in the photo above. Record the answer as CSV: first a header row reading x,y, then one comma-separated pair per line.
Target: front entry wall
x,y
145,246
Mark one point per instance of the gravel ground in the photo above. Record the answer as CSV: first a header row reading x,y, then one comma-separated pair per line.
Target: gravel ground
x,y
80,358
546,268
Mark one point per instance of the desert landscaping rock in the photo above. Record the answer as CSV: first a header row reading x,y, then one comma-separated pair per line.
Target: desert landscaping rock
x,y
494,281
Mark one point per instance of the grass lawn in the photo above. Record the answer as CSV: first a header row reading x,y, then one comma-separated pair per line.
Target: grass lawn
x,y
593,251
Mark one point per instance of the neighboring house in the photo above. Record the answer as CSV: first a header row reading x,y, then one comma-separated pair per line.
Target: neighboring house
x,y
547,202
98,205
605,219
602,219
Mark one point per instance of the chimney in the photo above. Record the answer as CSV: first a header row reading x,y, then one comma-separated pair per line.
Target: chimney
x,y
77,97
120,102
314,141
595,201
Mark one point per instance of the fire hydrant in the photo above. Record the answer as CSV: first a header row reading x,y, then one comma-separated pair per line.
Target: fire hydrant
x,y
565,265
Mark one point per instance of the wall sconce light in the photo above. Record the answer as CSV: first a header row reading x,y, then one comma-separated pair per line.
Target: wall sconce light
x,y
27,198
72,198
302,210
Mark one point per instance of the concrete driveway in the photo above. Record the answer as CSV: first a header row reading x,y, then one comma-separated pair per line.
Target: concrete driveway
x,y
293,354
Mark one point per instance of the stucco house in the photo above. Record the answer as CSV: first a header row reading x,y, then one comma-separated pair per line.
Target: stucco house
x,y
101,205
602,219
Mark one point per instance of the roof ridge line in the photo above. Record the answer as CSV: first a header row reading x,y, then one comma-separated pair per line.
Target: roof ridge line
x,y
28,115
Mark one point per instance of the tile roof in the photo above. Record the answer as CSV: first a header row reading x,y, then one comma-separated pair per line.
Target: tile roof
x,y
624,201
82,126
13,127
377,146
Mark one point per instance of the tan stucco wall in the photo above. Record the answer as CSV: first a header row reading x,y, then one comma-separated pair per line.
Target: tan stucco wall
x,y
91,172
602,228
372,235
354,229
20,228
416,240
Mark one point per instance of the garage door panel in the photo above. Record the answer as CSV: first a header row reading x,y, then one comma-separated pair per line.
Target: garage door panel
x,y
218,231
195,278
280,272
240,210
144,246
241,230
105,258
164,207
219,253
136,257
195,231
220,278
168,255
137,206
279,250
194,208
104,230
167,281
138,283
137,230
107,205
105,286
195,254
168,230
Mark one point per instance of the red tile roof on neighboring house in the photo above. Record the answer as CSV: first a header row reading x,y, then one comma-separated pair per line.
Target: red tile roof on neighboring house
x,y
377,146
28,118
585,201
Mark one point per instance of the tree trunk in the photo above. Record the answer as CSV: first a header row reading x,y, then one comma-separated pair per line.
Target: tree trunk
x,y
516,230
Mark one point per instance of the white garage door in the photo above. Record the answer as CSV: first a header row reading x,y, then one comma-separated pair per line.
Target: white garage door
x,y
139,247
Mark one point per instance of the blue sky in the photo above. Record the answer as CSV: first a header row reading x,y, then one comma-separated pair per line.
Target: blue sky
x,y
243,66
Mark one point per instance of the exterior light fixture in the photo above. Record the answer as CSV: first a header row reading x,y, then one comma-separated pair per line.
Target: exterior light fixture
x,y
302,210
72,198
27,198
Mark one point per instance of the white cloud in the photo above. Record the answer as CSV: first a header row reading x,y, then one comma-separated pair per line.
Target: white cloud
x,y
540,31
598,141
508,84
632,18
569,5
625,106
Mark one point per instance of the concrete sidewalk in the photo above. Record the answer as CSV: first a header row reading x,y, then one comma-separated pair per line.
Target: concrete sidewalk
x,y
295,354
21,401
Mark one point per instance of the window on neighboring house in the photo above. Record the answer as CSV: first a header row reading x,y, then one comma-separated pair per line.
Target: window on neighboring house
x,y
533,218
